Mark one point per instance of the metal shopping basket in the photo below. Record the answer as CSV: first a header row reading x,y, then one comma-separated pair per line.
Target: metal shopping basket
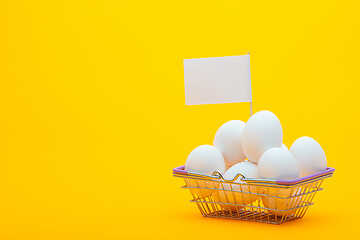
x,y
259,200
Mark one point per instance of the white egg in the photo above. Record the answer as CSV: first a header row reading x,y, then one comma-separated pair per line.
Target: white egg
x,y
228,141
283,146
261,132
278,164
310,156
204,159
280,202
248,193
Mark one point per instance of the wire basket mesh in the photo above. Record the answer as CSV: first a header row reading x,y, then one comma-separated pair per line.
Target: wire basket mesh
x,y
259,200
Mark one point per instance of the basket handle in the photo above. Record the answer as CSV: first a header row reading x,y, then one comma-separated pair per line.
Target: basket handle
x,y
181,170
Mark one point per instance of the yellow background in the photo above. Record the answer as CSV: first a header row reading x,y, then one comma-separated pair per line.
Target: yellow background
x,y
93,115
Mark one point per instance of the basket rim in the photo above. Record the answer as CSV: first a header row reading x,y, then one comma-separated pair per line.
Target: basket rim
x,y
181,171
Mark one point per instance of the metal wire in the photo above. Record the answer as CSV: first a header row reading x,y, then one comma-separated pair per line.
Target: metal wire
x,y
272,203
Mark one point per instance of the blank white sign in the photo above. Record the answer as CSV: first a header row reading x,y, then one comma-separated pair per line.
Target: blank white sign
x,y
217,80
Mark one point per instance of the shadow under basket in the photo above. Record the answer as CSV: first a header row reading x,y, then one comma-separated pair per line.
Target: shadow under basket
x,y
259,200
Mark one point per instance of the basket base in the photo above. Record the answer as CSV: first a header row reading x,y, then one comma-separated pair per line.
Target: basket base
x,y
248,215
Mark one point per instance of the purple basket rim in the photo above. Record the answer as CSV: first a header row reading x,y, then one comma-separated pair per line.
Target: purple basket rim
x,y
328,170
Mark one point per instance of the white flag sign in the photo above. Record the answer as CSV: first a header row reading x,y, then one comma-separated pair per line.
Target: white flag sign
x,y
217,80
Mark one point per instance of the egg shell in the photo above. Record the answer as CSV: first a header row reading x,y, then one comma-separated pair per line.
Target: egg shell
x,y
310,156
248,193
283,146
228,140
261,132
201,188
279,206
278,164
204,159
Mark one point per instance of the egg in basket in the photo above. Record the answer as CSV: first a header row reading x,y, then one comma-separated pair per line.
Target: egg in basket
x,y
249,174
